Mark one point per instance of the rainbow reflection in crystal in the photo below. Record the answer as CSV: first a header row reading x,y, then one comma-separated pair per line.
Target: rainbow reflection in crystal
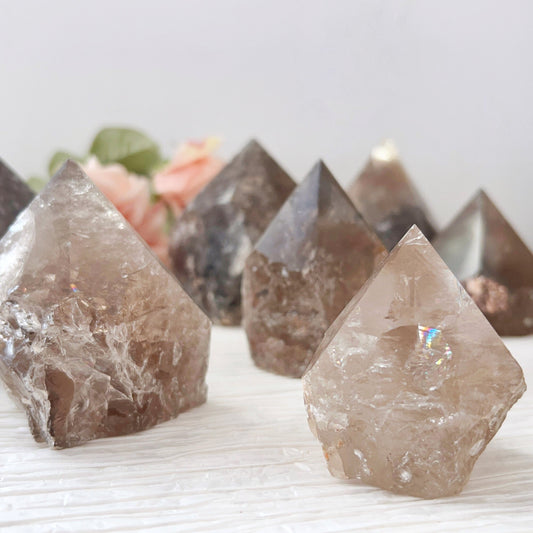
x,y
434,345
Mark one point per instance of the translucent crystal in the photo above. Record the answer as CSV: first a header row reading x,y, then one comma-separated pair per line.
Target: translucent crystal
x,y
217,231
96,337
15,195
484,251
387,198
411,382
317,252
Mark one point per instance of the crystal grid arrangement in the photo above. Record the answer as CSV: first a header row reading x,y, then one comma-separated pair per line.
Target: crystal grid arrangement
x,y
15,195
410,382
493,263
386,197
404,388
316,253
219,228
97,338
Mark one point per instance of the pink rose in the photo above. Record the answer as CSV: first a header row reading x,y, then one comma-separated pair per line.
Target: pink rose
x,y
130,194
192,167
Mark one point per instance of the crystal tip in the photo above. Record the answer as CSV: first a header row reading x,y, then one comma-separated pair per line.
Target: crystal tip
x,y
385,152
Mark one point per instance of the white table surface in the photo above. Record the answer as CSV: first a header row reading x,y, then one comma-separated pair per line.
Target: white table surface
x,y
246,461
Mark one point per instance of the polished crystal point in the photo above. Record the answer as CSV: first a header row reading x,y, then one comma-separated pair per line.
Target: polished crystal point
x,y
411,381
97,338
15,195
315,255
387,198
493,263
217,231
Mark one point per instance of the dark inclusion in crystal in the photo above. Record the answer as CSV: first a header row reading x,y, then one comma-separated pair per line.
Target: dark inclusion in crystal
x,y
217,231
485,253
15,195
315,255
387,198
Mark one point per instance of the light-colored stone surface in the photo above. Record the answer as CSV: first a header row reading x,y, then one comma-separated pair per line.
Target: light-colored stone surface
x,y
217,231
96,337
387,198
410,382
314,256
493,263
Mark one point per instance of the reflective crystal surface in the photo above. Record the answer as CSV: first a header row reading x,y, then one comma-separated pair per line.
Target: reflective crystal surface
x,y
216,233
15,195
317,252
96,337
387,198
493,263
411,381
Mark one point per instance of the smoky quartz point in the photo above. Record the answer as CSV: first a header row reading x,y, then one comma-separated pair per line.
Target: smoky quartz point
x,y
496,267
213,237
388,199
315,255
15,195
411,381
97,338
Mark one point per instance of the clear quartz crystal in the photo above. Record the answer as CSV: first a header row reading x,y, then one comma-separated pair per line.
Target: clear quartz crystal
x,y
496,267
97,338
315,255
411,382
15,195
218,229
387,198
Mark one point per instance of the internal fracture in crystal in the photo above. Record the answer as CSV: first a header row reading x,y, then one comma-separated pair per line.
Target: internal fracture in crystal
x,y
484,251
15,195
217,231
411,382
388,199
97,338
316,253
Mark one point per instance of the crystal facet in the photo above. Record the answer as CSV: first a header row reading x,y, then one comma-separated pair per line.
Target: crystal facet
x,y
386,197
493,263
315,255
15,195
411,381
217,231
97,338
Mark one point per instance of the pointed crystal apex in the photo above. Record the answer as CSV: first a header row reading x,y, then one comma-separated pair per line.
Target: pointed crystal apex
x,y
253,145
218,230
410,382
386,152
97,338
316,253
414,235
70,170
15,195
327,189
493,263
387,198
321,171
69,178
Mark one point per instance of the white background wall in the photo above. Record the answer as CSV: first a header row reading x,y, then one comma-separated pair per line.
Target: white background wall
x,y
451,81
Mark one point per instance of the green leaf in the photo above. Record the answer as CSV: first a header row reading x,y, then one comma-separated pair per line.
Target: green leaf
x,y
58,159
36,183
131,148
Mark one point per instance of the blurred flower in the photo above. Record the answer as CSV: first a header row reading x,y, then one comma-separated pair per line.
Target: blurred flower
x,y
131,196
192,167
153,230
126,151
